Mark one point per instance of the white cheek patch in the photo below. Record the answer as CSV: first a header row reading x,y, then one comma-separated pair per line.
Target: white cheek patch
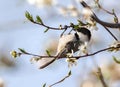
x,y
83,37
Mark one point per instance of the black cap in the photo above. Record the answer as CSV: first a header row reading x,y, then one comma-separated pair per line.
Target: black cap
x,y
85,31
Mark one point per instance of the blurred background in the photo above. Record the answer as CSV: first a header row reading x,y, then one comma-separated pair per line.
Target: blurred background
x,y
17,32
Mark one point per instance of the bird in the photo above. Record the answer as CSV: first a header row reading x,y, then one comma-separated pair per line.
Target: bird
x,y
69,43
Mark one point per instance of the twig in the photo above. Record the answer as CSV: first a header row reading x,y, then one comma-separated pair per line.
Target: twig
x,y
105,49
27,53
36,55
99,74
64,30
111,33
99,6
77,57
69,74
111,13
111,25
48,27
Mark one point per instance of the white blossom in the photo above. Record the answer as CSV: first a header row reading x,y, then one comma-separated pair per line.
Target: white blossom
x,y
86,13
41,3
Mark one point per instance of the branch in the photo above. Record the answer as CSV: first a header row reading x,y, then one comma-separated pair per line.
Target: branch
x,y
99,74
111,25
15,54
99,6
110,33
102,50
39,21
111,13
69,74
48,27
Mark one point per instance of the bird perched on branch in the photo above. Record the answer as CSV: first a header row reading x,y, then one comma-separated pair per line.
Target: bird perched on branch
x,y
69,43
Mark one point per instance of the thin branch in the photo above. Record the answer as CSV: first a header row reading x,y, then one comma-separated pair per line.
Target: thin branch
x,y
77,57
87,55
100,7
107,24
27,53
106,10
111,13
111,33
99,74
69,74
35,55
48,27
111,25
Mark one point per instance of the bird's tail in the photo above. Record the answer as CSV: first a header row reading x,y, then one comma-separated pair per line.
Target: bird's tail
x,y
44,62
47,61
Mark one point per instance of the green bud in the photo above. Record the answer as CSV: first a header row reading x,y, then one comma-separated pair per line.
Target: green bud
x,y
76,27
46,30
13,54
39,20
48,52
44,85
113,10
28,16
22,50
116,60
115,20
69,73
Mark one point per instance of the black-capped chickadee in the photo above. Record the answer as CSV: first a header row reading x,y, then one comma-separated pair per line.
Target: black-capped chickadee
x,y
69,43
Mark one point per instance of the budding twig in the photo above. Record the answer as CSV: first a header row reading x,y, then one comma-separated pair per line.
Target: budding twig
x,y
69,74
77,57
48,27
111,13
111,25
